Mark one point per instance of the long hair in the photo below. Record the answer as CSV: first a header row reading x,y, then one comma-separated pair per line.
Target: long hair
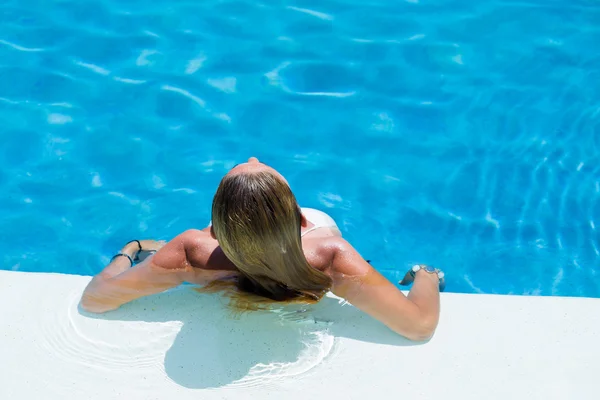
x,y
257,223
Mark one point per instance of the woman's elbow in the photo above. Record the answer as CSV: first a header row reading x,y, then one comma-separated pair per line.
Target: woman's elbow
x,y
422,335
421,330
91,305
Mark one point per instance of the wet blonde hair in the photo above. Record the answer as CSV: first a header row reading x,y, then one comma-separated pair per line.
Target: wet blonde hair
x,y
257,222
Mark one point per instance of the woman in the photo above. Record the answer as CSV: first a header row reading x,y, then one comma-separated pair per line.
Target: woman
x,y
262,248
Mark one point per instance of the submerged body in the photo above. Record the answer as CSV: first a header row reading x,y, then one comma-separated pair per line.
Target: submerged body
x,y
196,256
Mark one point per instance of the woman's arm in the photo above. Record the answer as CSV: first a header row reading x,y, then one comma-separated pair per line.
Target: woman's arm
x,y
414,317
120,283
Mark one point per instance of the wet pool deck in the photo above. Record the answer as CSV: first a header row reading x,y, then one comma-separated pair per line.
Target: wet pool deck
x,y
184,345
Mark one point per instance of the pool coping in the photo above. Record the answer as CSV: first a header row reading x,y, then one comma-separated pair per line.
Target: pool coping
x,y
181,344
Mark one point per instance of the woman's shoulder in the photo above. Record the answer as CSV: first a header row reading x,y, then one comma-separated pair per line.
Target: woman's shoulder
x,y
190,248
327,254
194,236
347,260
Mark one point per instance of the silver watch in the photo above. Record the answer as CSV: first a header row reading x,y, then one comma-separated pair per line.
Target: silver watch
x,y
410,275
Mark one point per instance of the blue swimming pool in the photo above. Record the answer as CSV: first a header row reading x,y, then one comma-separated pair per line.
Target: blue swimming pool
x,y
457,133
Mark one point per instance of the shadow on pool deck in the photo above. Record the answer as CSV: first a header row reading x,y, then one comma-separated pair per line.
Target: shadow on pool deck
x,y
214,349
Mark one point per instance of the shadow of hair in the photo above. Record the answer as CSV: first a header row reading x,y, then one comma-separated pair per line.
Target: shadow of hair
x,y
215,348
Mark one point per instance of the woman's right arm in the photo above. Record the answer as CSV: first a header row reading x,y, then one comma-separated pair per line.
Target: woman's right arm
x,y
121,281
414,316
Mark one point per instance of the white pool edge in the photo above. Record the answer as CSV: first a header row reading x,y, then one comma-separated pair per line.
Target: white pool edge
x,y
183,345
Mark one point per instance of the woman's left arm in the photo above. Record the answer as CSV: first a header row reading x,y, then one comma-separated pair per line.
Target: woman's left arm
x,y
120,282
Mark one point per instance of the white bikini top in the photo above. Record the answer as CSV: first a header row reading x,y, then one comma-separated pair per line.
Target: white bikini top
x,y
319,219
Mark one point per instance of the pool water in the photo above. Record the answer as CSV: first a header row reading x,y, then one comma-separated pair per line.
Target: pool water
x,y
457,133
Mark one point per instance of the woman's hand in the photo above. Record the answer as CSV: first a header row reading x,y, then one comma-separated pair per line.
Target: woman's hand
x,y
152,245
139,250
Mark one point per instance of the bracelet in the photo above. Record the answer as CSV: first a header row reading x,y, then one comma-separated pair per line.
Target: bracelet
x,y
410,275
123,255
137,253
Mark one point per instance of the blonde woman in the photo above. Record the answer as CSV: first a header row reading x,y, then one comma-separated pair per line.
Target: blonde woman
x,y
262,248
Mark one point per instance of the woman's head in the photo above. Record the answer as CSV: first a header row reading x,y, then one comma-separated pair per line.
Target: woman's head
x,y
257,222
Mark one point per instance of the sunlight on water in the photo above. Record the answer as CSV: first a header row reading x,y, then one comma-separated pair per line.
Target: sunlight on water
x,y
459,134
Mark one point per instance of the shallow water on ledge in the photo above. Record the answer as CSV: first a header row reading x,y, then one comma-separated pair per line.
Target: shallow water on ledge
x,y
193,341
460,134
